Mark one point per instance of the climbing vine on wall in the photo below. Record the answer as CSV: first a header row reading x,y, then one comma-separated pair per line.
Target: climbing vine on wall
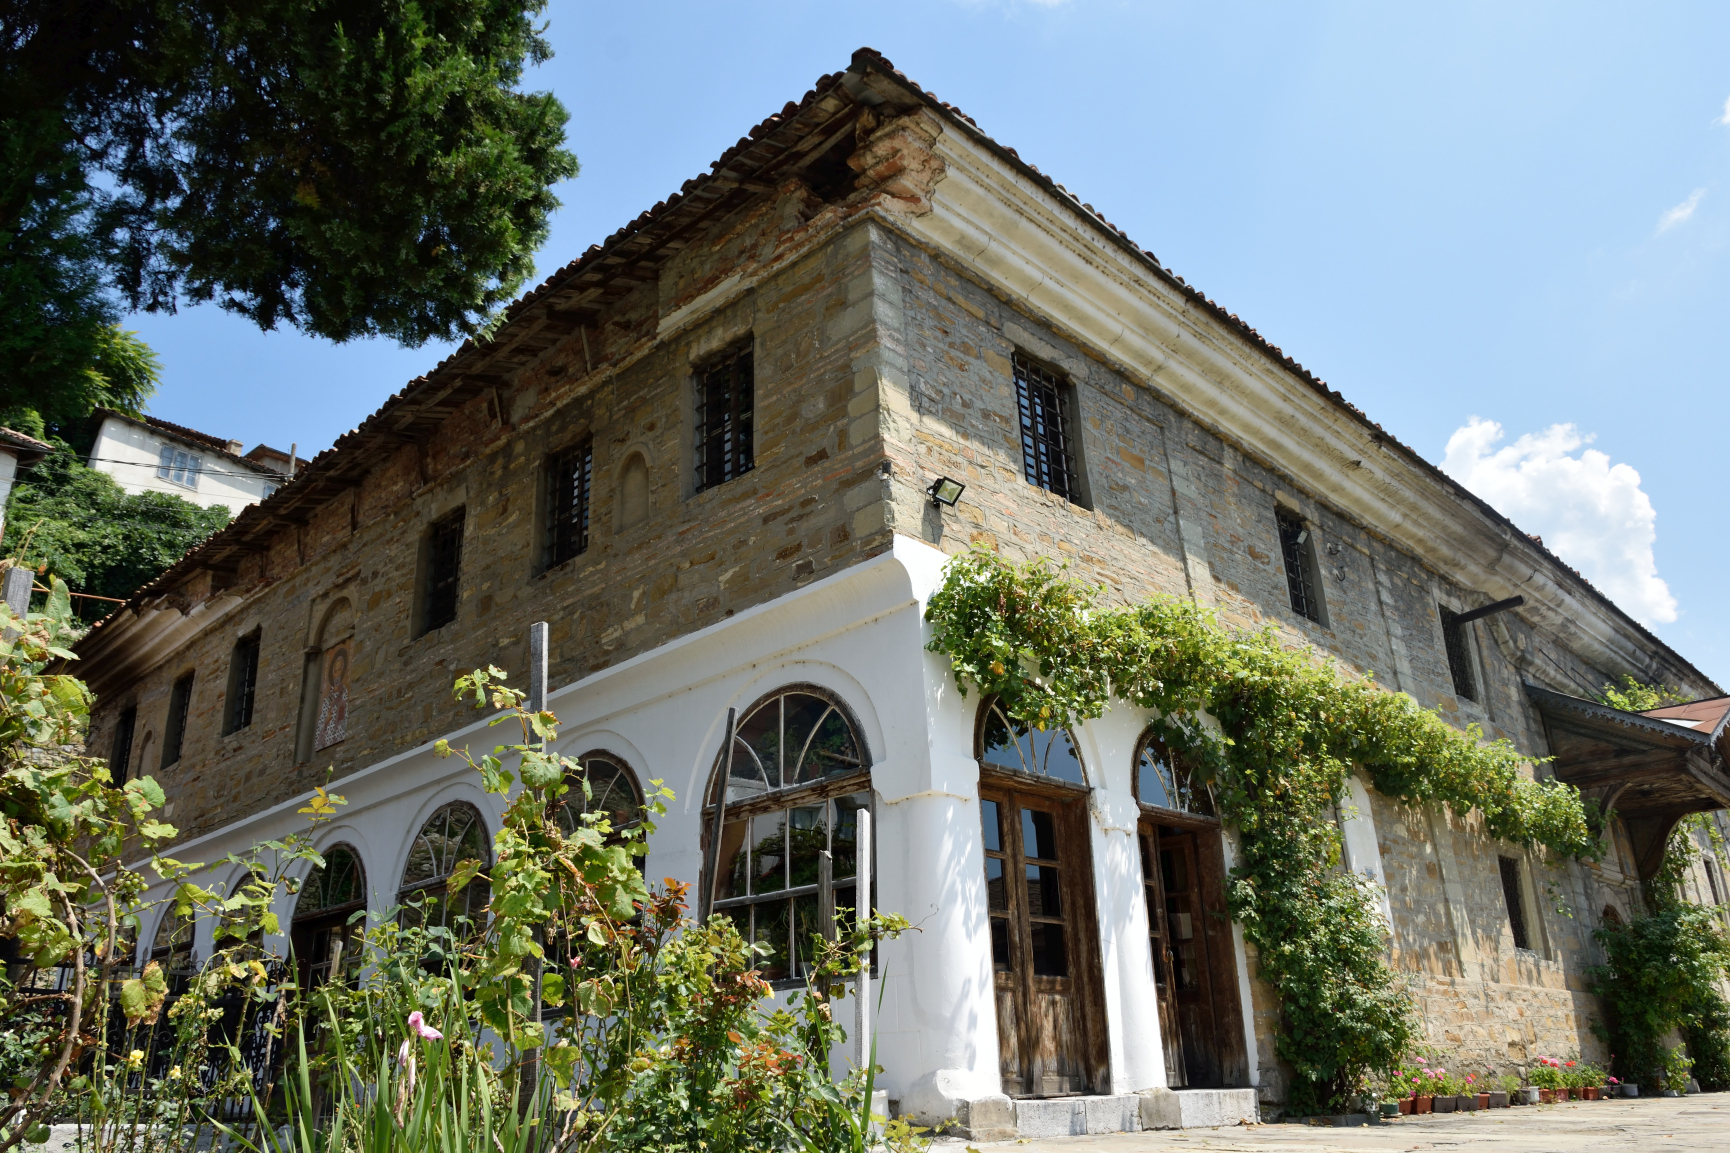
x,y
1276,733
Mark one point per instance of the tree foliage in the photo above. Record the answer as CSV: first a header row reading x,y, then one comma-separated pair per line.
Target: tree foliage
x,y
1632,695
350,169
99,538
1276,734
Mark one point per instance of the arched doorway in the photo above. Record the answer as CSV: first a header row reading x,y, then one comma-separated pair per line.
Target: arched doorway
x,y
1188,928
1045,962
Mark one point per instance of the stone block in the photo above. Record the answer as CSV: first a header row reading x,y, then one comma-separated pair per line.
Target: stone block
x,y
1197,1108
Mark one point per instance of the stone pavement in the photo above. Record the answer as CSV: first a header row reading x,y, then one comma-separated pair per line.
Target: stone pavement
x,y
1647,1125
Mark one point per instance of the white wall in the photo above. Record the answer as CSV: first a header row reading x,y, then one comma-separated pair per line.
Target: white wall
x,y
131,452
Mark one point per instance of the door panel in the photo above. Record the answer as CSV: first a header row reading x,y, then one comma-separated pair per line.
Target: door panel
x,y
1159,947
1037,888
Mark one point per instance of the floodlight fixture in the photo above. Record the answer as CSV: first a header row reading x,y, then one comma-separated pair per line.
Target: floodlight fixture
x,y
944,491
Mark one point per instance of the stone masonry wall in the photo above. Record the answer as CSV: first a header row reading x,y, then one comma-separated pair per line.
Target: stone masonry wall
x,y
1174,508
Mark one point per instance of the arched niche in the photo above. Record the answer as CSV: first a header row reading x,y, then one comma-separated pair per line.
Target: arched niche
x,y
633,491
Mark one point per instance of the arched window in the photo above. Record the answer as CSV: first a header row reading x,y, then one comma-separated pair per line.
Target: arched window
x,y
326,931
172,948
613,790
453,835
1611,918
1015,747
1162,780
800,776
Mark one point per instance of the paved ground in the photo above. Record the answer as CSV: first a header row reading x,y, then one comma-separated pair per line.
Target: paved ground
x,y
1645,1125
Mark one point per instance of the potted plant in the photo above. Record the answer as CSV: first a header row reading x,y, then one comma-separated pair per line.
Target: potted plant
x,y
1466,1093
1592,1080
1507,1087
1548,1078
1446,1091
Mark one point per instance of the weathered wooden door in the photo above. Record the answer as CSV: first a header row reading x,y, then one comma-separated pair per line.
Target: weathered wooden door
x,y
1199,1012
1046,970
1159,947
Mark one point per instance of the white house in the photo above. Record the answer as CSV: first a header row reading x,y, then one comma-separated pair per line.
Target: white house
x,y
144,454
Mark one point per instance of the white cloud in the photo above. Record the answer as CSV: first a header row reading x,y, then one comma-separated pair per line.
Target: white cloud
x,y
1681,213
1725,119
1591,513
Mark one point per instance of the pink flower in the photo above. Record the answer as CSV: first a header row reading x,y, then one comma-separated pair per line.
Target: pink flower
x,y
426,1031
402,1054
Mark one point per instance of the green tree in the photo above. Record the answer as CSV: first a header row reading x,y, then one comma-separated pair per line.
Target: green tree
x,y
1635,696
94,535
354,169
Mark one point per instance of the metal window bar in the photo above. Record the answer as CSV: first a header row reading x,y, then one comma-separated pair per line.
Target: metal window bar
x,y
121,760
245,683
725,419
179,702
1046,456
1294,545
444,567
1459,660
572,478
1513,894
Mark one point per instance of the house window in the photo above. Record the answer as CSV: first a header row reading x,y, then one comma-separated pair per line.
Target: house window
x,y
725,394
174,733
179,466
1513,893
121,760
269,491
612,791
443,571
1298,549
453,835
326,933
1162,780
1459,656
1011,746
171,948
1047,452
571,475
242,685
799,778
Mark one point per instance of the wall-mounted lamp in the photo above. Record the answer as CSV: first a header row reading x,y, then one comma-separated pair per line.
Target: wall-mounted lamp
x,y
944,491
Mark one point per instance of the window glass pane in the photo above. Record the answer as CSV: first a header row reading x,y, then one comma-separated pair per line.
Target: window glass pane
x,y
844,841
735,858
1038,835
993,832
808,837
760,734
165,461
1152,782
807,934
1057,755
768,852
1043,897
773,924
1000,944
825,750
1001,747
1050,957
996,894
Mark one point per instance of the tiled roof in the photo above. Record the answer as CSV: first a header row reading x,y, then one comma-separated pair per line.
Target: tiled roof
x,y
571,296
27,445
192,436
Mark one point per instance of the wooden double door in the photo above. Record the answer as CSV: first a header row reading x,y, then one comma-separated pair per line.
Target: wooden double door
x,y
1044,940
1194,961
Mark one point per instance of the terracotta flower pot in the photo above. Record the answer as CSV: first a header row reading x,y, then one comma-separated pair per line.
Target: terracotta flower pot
x,y
1564,1094
1546,1096
1591,1092
1443,1104
1405,1104
1422,1104
1483,1100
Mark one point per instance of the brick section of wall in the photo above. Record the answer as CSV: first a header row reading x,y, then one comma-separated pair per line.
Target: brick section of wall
x,y
811,504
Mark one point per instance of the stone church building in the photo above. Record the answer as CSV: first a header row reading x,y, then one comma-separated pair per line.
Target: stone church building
x,y
705,453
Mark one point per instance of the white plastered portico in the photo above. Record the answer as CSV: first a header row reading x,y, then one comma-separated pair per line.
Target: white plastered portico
x,y
860,635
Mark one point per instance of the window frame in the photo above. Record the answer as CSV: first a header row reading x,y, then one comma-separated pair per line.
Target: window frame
x,y
785,800
179,709
125,733
1457,646
405,891
178,466
1050,456
240,700
570,502
727,450
981,721
1297,548
1188,818
441,592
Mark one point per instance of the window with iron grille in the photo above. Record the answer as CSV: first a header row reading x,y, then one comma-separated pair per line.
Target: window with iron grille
x,y
443,571
121,760
242,684
725,392
174,733
1047,452
1297,549
571,473
1514,894
1459,657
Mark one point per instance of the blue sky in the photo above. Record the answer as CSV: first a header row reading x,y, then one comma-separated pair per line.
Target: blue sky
x,y
1461,216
